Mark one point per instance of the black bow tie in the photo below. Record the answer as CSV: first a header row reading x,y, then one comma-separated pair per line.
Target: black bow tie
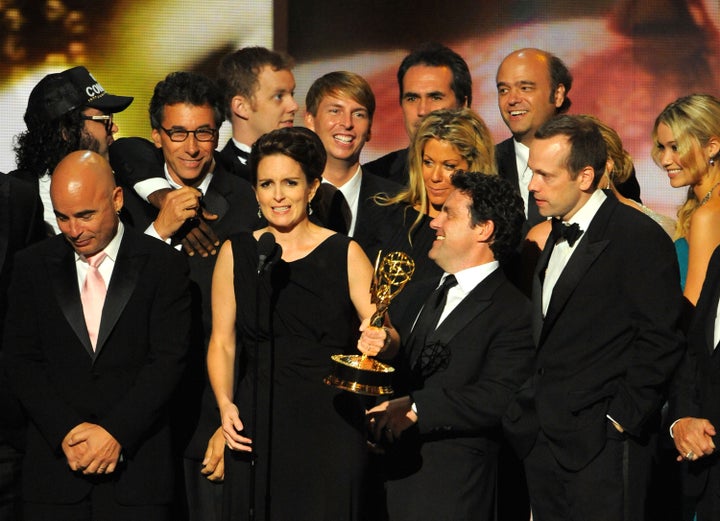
x,y
570,233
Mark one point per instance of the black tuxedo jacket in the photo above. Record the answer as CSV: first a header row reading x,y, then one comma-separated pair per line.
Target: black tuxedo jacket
x,y
392,166
228,157
444,467
124,386
233,201
375,224
31,178
507,168
609,341
21,224
696,386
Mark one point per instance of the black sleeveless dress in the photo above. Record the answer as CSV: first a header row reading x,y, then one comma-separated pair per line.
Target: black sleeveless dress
x,y
309,438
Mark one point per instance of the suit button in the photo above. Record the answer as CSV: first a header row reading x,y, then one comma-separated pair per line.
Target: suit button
x,y
541,371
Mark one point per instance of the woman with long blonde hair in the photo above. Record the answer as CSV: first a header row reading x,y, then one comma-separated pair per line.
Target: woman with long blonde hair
x,y
686,136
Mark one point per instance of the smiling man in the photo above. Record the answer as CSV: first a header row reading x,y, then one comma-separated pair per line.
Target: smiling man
x,y
532,87
257,87
185,114
467,350
340,107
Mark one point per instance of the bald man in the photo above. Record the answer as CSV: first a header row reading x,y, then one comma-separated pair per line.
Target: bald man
x,y
533,87
96,340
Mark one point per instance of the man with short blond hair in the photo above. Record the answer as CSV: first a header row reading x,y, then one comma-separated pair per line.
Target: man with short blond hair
x,y
340,108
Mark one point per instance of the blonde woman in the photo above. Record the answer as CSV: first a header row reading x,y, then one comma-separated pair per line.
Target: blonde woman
x,y
686,138
446,141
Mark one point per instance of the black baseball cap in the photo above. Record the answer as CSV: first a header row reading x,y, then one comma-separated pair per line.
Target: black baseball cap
x,y
59,93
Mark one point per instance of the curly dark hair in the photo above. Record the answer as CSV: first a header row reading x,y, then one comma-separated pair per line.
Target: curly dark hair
x,y
298,143
40,150
494,199
185,87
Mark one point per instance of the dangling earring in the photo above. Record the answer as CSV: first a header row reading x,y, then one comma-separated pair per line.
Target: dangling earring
x,y
259,212
309,209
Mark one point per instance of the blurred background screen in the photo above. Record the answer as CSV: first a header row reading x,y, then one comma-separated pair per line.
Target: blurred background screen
x,y
629,58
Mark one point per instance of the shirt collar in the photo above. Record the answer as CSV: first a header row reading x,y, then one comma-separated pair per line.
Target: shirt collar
x,y
521,151
470,277
111,250
584,216
241,146
352,185
203,186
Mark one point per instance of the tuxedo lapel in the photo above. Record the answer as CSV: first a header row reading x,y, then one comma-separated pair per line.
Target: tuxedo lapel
x,y
63,274
537,284
571,276
507,164
465,312
709,310
122,284
216,197
366,212
228,157
588,248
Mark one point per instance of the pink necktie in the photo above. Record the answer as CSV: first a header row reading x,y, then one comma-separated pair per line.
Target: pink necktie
x,y
93,296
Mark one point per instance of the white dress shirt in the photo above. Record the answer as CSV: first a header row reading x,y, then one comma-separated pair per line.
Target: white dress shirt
x,y
107,266
522,153
563,251
203,187
467,280
351,193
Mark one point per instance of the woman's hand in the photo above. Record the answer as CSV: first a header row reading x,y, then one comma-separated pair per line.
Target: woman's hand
x,y
232,428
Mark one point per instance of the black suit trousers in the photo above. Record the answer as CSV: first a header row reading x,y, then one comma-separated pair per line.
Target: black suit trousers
x,y
612,486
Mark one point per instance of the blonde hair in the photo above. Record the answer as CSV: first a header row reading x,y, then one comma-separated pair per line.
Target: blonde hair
x,y
693,120
622,161
466,132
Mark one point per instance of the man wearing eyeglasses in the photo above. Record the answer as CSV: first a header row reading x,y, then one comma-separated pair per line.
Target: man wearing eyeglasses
x,y
185,115
258,89
66,111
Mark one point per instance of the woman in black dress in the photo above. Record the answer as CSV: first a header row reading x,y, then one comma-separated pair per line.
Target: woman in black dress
x,y
273,335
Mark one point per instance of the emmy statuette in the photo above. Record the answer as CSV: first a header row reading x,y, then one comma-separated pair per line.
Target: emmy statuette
x,y
362,374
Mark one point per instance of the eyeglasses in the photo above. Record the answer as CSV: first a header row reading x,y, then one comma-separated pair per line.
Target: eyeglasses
x,y
180,134
105,119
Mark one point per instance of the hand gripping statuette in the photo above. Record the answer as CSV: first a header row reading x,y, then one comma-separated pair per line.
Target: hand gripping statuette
x,y
362,374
